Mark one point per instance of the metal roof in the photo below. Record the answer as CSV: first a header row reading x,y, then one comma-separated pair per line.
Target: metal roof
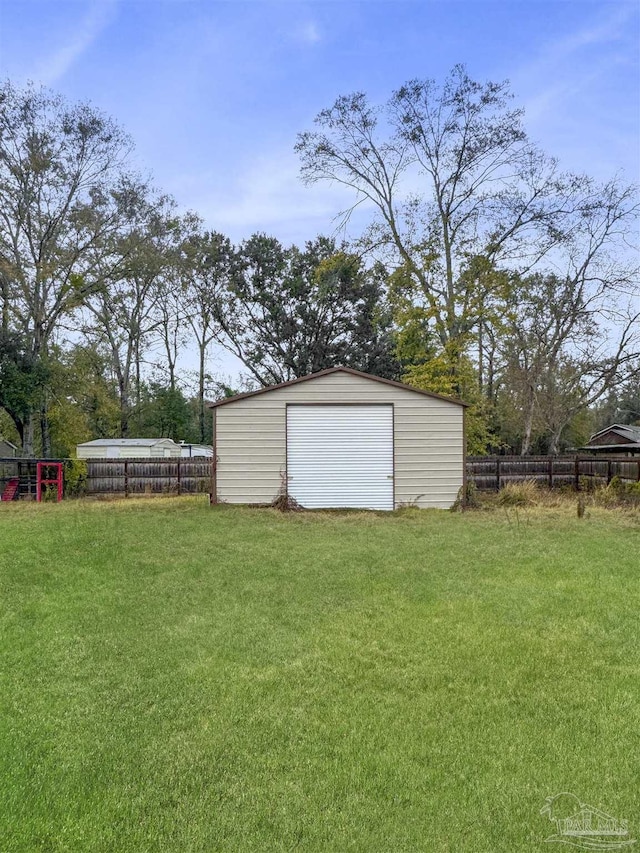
x,y
125,442
626,430
620,448
326,372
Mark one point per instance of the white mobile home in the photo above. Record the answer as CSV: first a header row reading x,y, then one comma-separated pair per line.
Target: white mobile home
x,y
339,438
189,451
128,448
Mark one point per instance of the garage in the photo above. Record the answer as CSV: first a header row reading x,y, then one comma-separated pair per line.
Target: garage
x,y
339,438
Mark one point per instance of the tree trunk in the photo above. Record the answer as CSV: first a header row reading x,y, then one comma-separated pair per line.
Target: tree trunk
x,y
480,357
45,431
554,445
5,305
28,432
201,412
124,412
528,427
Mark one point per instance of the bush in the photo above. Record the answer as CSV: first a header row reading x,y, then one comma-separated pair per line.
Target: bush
x,y
75,478
519,494
618,493
468,497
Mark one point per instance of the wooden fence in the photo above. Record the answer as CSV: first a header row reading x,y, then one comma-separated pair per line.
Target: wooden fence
x,y
126,477
193,475
491,473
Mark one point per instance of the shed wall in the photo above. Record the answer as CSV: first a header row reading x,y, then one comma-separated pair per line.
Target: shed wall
x,y
250,440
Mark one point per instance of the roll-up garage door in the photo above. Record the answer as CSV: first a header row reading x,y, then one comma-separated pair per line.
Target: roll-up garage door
x,y
340,456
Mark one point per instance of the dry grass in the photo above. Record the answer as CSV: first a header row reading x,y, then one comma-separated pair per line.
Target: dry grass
x,y
519,494
604,503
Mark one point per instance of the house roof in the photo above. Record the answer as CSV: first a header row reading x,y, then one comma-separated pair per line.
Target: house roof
x,y
10,443
328,371
628,431
125,442
620,448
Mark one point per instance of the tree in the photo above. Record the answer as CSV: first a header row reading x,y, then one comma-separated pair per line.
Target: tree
x,y
621,405
60,165
123,309
166,413
568,344
84,399
461,198
287,312
23,378
208,267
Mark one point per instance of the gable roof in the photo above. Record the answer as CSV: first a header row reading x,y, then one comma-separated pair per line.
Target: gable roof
x,y
10,443
327,372
125,442
628,431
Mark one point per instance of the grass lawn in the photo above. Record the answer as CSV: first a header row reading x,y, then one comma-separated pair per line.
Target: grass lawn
x,y
176,677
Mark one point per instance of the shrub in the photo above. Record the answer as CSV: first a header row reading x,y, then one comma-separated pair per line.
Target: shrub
x,y
75,478
618,493
519,494
468,497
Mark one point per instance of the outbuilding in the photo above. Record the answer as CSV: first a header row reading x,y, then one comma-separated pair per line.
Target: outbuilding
x,y
617,439
339,438
128,448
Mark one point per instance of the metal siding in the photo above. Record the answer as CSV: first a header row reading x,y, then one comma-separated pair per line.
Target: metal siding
x,y
340,456
251,448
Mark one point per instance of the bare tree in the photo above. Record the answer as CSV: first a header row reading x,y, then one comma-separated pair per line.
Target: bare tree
x,y
566,346
459,191
208,262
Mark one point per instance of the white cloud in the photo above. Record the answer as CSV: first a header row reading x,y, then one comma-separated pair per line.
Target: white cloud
x,y
267,196
558,73
54,67
308,33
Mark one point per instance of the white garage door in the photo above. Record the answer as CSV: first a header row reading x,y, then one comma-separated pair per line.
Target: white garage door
x,y
340,456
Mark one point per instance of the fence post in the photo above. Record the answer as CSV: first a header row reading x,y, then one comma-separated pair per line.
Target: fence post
x,y
639,470
126,478
577,474
608,471
498,474
178,476
551,472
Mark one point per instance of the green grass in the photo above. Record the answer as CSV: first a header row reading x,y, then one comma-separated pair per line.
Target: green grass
x,y
176,677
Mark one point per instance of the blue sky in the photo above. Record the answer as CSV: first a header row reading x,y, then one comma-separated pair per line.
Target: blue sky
x,y
213,93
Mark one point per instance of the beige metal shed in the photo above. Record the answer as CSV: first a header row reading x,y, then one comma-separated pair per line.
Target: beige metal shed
x,y
339,438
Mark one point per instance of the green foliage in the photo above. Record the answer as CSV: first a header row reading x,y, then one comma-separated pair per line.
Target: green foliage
x,y
437,375
8,428
618,493
166,413
289,312
75,478
23,379
84,401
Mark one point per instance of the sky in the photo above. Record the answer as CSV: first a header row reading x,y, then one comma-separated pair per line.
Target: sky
x,y
213,93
